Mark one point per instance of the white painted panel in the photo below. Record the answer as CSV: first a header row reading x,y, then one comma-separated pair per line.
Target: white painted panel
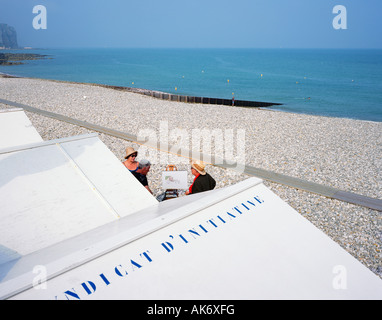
x,y
46,196
43,200
122,190
16,129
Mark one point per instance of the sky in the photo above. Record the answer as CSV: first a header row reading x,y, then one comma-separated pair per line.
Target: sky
x,y
196,23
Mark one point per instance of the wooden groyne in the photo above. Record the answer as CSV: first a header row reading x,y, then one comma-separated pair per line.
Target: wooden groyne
x,y
194,99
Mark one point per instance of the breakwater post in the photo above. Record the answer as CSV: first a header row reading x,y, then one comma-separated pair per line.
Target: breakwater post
x,y
194,99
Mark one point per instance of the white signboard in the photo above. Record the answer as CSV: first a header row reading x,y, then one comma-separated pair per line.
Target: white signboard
x,y
174,180
231,243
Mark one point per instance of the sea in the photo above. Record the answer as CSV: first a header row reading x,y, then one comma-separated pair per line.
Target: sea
x,y
345,83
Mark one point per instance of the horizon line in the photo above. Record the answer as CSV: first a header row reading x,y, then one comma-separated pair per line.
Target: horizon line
x,y
192,48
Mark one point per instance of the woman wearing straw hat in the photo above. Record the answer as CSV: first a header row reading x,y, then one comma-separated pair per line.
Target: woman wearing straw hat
x,y
130,157
203,181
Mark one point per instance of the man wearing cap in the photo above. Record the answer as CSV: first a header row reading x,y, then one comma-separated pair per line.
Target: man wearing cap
x,y
141,173
203,181
138,169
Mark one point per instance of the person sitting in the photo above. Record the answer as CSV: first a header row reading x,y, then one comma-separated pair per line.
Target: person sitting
x,y
141,173
130,157
202,181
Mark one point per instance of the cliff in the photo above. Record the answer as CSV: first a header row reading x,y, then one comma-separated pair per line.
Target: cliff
x,y
8,36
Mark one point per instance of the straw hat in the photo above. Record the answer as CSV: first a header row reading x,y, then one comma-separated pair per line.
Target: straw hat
x,y
130,151
199,166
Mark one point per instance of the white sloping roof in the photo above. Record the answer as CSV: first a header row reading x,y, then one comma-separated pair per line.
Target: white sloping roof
x,y
240,242
51,191
16,129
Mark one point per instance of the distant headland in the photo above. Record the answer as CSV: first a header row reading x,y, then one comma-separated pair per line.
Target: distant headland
x,y
8,37
8,40
12,59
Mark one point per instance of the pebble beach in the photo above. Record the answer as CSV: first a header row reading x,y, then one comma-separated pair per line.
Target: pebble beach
x,y
341,153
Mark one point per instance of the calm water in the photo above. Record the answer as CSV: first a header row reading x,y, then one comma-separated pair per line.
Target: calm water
x,y
337,83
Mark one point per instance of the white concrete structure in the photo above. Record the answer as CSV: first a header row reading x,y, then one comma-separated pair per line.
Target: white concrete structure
x,y
51,191
242,242
16,129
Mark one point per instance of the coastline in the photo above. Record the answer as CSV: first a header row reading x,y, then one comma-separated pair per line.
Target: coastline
x,y
7,75
12,59
303,81
183,99
338,152
172,97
